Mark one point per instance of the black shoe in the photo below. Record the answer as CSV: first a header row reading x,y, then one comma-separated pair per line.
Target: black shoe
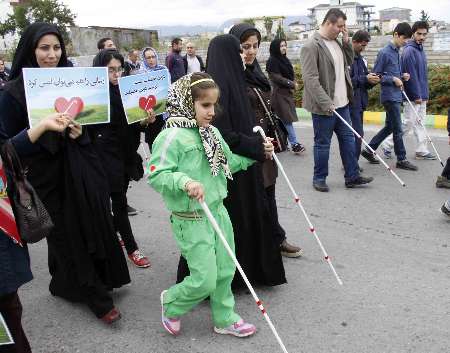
x,y
444,209
298,148
369,156
321,186
131,211
406,165
361,180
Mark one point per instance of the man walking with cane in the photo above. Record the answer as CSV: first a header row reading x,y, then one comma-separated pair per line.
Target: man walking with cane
x,y
328,88
414,61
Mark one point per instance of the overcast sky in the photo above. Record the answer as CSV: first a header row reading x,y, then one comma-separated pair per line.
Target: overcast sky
x,y
146,13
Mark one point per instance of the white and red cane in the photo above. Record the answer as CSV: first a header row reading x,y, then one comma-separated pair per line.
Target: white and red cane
x,y
370,148
241,271
299,204
419,120
147,161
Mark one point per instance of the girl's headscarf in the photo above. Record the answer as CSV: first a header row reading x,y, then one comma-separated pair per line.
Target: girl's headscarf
x,y
180,107
145,66
279,63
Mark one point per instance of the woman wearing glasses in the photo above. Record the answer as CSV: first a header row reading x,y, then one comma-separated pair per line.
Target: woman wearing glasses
x,y
117,143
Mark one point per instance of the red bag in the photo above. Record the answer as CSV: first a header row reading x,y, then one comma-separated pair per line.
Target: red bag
x,y
7,220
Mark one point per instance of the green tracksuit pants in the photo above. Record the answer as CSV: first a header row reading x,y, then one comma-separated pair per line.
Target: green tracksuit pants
x,y
211,268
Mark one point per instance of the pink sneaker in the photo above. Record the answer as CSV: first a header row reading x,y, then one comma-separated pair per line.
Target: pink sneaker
x,y
238,329
172,325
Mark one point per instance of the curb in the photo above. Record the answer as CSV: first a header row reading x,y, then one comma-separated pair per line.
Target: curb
x,y
377,118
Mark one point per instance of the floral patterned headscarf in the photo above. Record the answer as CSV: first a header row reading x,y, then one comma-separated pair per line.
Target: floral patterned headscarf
x,y
180,108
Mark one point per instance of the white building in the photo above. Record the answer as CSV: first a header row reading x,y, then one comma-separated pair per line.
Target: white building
x,y
389,18
358,16
297,27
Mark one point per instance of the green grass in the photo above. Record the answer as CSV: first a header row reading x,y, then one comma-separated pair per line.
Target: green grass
x,y
91,114
137,114
4,338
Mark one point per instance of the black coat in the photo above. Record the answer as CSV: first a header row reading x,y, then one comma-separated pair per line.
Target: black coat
x,y
66,177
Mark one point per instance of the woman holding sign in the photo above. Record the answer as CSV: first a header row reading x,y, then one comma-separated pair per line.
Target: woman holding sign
x,y
14,258
150,62
85,259
117,143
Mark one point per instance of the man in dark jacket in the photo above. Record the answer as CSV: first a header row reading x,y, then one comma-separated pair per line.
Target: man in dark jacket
x,y
414,61
362,81
388,67
192,62
174,61
328,89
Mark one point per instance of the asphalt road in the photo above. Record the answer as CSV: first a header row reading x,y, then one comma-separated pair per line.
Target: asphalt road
x,y
389,244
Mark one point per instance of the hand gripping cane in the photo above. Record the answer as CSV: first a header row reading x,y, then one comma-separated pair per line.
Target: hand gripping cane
x,y
241,271
298,202
370,148
419,120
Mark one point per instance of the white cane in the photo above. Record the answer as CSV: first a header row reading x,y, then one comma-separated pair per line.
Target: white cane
x,y
241,271
146,157
370,148
419,120
298,202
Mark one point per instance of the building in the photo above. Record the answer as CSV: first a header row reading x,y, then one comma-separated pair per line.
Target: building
x,y
358,16
389,18
297,27
84,39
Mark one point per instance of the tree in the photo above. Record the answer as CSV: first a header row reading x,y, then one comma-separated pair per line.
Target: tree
x,y
280,32
250,21
424,16
50,11
268,24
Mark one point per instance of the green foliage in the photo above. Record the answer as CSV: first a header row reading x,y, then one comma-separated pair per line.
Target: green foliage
x,y
439,86
424,16
280,32
268,24
250,21
50,11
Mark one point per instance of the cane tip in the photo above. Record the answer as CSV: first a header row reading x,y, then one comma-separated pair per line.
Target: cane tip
x,y
404,185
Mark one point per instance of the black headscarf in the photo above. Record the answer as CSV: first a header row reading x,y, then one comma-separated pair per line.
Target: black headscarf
x,y
117,112
26,57
253,73
279,63
224,64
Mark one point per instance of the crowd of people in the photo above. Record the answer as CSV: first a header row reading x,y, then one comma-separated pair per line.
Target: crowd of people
x,y
203,149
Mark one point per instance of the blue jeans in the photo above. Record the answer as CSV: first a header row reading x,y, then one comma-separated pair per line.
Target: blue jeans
x,y
324,126
393,124
357,123
292,137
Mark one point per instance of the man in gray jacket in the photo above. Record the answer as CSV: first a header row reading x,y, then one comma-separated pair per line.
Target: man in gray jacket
x,y
327,87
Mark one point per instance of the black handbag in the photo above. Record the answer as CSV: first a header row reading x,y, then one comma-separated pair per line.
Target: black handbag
x,y
32,219
276,128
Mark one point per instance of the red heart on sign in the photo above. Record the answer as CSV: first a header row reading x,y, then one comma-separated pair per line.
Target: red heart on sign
x,y
147,103
73,107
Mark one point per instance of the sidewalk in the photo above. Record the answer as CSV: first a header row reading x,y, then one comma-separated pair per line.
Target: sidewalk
x,y
377,118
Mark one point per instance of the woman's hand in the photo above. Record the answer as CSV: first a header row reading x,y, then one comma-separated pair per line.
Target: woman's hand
x,y
55,122
195,190
268,147
75,130
151,118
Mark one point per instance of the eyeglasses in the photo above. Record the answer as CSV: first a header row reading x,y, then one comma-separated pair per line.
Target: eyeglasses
x,y
115,70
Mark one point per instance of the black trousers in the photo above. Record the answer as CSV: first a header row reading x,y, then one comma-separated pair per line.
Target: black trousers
x,y
121,220
11,310
446,171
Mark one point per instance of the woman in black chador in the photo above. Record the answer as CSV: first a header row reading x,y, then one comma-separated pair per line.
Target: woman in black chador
x,y
256,249
84,256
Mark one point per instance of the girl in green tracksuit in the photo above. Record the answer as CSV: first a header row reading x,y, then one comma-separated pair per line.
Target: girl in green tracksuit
x,y
190,162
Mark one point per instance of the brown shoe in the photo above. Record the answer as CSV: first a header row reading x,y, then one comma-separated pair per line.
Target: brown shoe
x,y
442,182
289,250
